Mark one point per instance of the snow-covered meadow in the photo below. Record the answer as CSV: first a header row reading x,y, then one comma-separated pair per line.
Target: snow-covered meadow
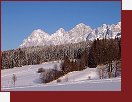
x,y
85,80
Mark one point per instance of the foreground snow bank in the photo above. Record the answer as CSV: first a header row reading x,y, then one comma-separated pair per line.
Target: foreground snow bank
x,y
92,85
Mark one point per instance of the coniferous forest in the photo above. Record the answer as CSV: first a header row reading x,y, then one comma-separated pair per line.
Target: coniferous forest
x,y
74,57
88,53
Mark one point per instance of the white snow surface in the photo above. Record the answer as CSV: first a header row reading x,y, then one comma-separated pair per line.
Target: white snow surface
x,y
80,75
26,75
85,80
79,33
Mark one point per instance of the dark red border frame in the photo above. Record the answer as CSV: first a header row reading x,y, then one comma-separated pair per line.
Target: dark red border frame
x,y
124,95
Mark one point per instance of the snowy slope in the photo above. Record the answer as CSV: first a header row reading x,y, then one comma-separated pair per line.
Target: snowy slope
x,y
26,75
80,32
80,75
28,80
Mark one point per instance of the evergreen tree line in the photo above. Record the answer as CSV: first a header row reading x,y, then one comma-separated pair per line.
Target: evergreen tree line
x,y
104,52
101,52
40,54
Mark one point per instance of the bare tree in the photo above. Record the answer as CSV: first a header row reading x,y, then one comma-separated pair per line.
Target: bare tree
x,y
101,71
14,79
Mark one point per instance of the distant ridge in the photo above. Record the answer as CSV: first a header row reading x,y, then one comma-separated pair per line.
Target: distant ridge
x,y
80,32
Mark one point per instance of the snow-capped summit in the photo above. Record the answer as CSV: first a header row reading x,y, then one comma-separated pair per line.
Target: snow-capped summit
x,y
104,26
57,38
81,27
81,32
60,31
38,33
37,38
109,31
38,30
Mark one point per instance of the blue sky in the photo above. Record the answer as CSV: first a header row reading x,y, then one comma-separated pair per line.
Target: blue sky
x,y
19,19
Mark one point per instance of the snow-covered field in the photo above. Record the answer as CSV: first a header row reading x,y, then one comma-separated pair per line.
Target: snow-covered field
x,y
85,80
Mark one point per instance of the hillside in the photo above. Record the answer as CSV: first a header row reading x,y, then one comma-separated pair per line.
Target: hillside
x,y
28,80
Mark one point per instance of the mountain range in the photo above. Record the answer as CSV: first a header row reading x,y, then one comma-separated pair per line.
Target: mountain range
x,y
79,33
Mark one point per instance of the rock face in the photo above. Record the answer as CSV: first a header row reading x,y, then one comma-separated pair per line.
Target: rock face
x,y
80,32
